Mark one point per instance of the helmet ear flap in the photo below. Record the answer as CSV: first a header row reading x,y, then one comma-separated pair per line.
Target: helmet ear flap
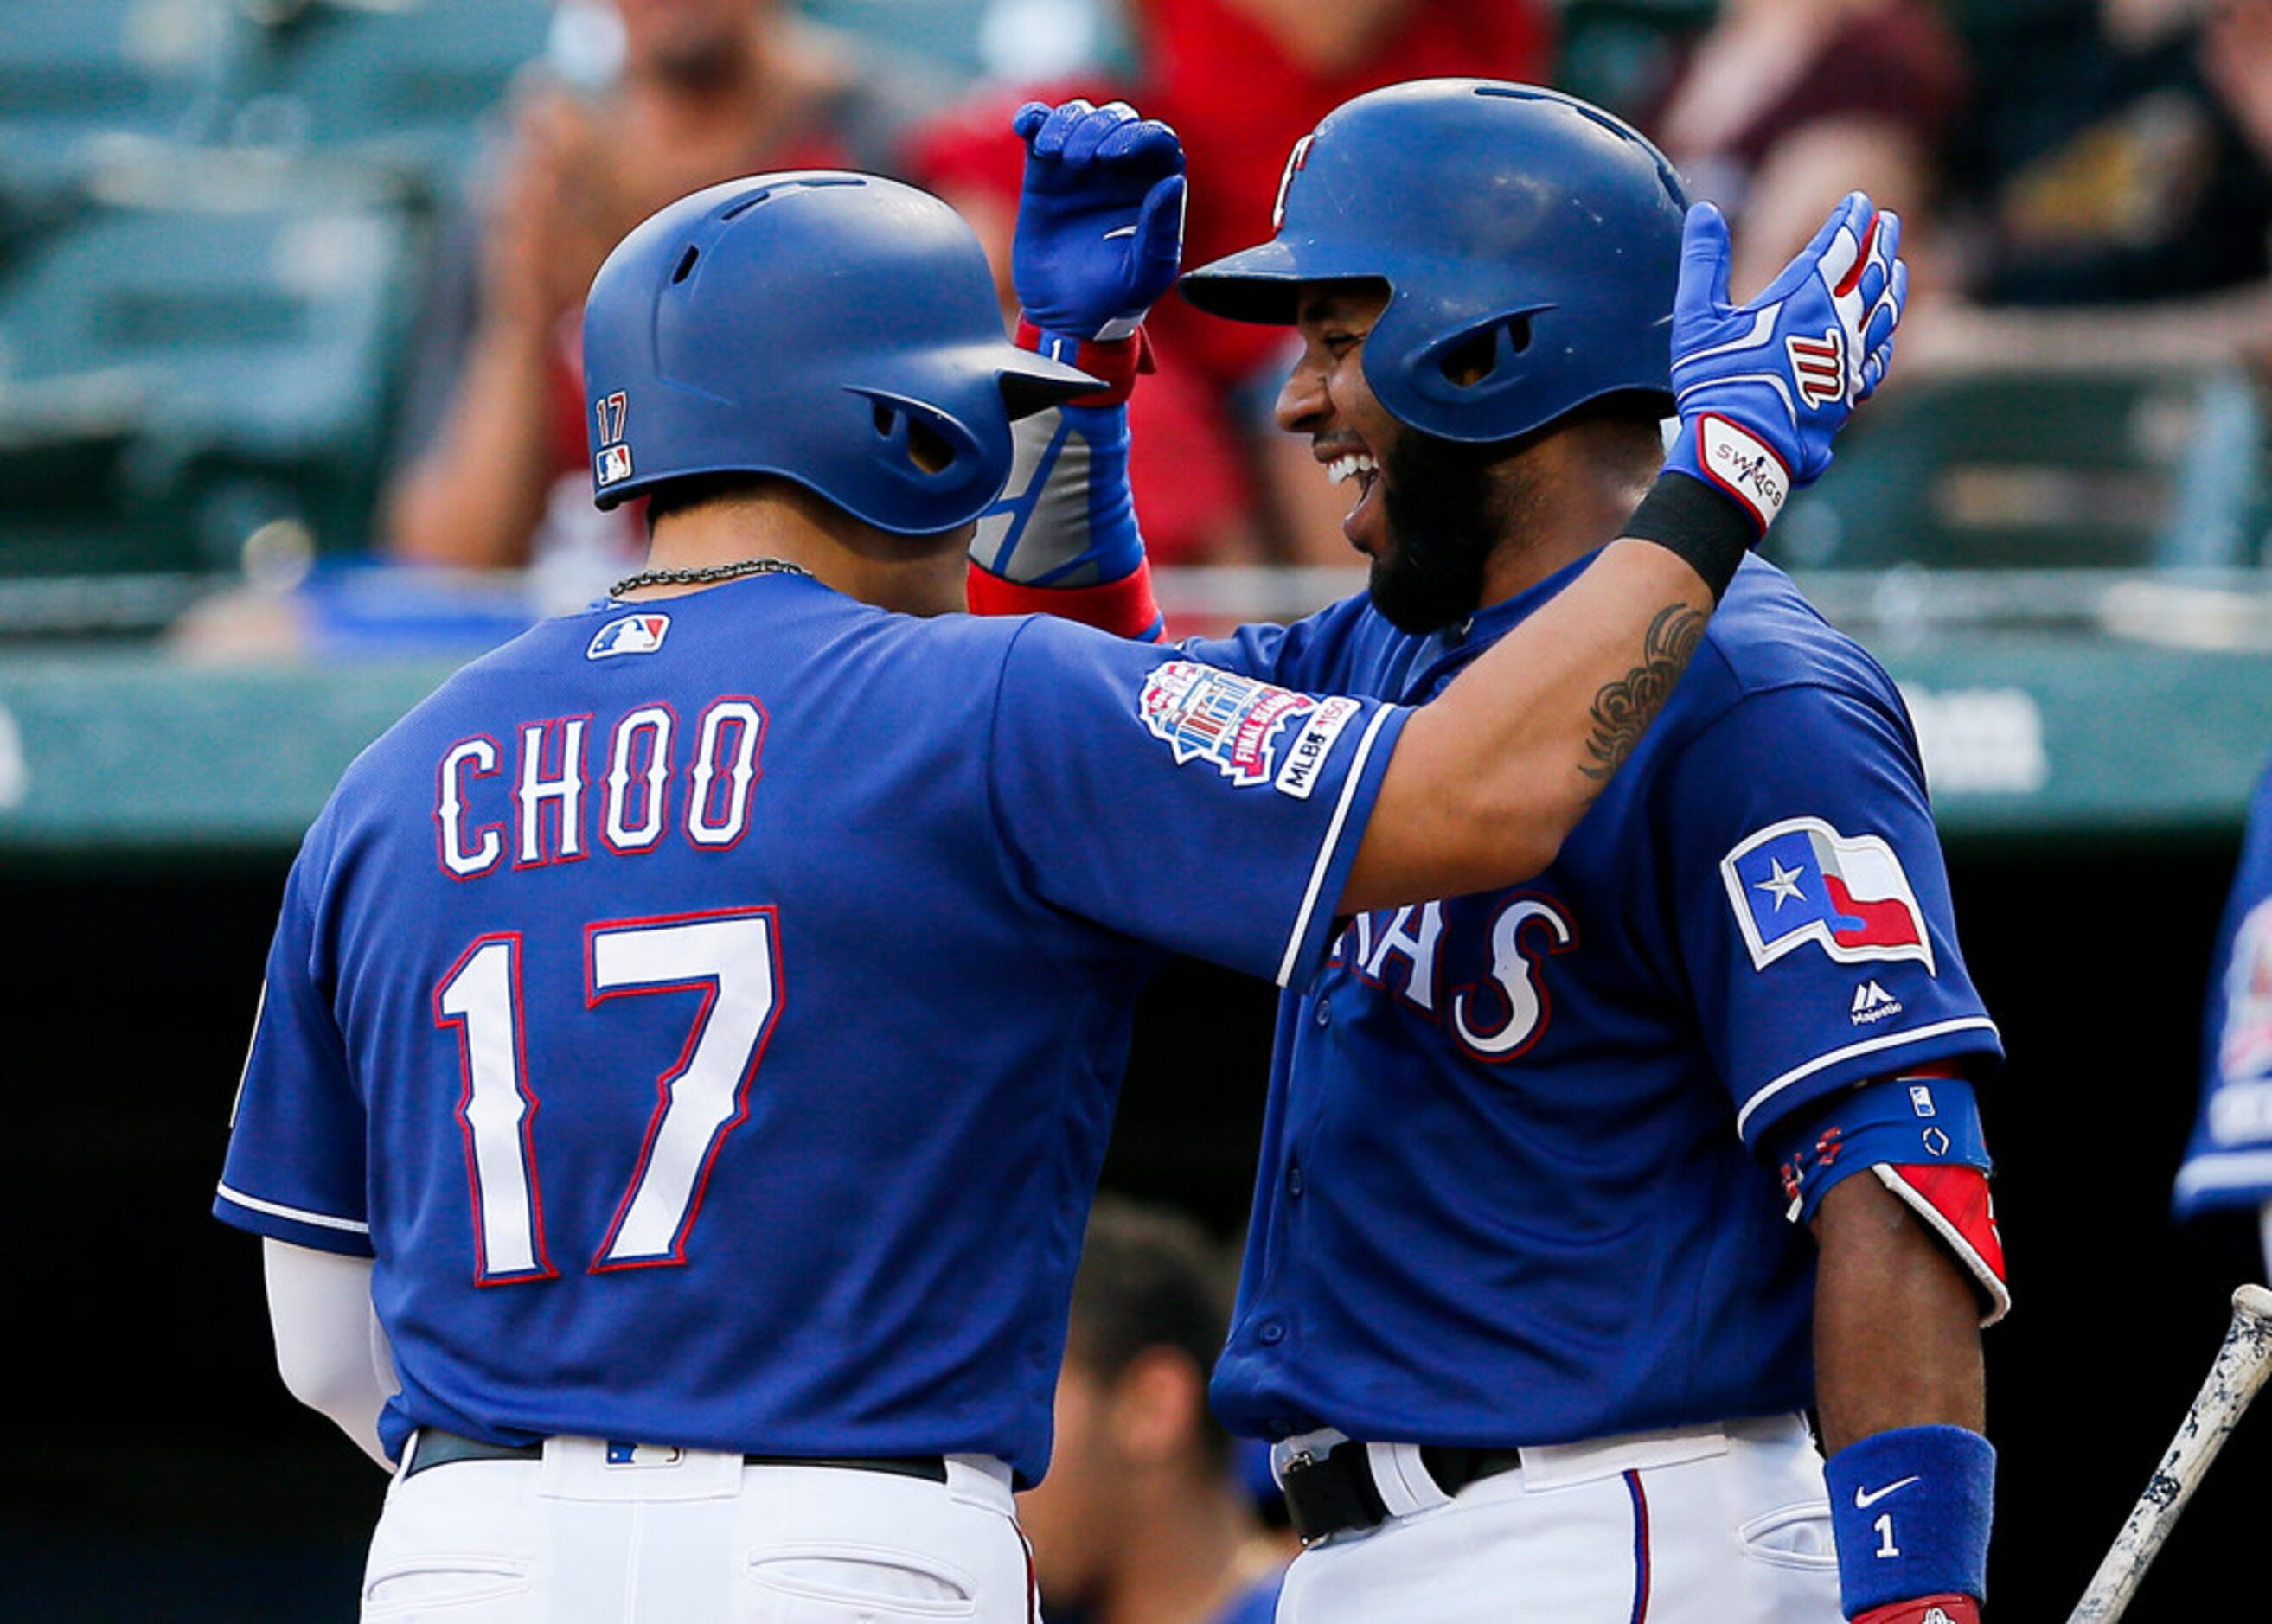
x,y
919,445
1474,364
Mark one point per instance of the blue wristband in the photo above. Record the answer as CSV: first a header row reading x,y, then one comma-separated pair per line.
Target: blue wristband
x,y
1910,1511
1898,1121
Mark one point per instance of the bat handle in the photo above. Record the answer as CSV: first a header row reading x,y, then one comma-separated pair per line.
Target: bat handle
x,y
2238,1372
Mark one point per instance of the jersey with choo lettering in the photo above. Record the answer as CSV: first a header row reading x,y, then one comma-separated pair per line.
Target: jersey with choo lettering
x,y
1507,1194
708,1013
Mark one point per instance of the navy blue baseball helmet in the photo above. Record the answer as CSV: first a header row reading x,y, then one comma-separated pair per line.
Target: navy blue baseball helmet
x,y
834,328
1530,243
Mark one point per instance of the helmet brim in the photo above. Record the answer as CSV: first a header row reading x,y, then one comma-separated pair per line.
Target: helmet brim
x,y
1255,284
1032,383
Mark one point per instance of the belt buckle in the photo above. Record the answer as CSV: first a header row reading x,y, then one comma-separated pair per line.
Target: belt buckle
x,y
1331,1494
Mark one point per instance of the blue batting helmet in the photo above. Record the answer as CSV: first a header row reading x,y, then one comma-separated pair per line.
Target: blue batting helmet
x,y
1529,241
834,328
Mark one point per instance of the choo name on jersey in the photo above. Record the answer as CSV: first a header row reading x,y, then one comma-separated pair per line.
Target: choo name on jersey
x,y
655,774
1475,967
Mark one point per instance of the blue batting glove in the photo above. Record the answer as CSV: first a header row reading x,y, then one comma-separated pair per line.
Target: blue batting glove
x,y
1763,388
1100,219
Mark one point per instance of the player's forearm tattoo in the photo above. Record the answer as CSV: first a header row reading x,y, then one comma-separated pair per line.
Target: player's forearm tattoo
x,y
1623,709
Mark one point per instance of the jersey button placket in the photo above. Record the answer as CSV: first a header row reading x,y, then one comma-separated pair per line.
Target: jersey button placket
x,y
1294,1183
1271,1333
1325,1015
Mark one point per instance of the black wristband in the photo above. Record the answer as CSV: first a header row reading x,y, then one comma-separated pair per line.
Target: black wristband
x,y
1683,515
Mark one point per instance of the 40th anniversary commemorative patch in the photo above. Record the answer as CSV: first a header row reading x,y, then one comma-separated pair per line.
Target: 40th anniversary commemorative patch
x,y
1247,729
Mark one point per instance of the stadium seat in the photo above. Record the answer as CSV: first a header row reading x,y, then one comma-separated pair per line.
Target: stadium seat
x,y
179,372
405,82
2046,470
73,70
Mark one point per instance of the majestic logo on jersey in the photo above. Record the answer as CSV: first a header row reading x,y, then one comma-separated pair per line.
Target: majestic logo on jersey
x,y
1873,1003
634,634
1801,881
1240,725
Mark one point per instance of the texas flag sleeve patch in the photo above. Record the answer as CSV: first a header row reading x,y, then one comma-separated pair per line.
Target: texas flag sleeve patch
x,y
1800,881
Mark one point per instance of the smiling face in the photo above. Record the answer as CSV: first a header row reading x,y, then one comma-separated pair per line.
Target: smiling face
x,y
1427,512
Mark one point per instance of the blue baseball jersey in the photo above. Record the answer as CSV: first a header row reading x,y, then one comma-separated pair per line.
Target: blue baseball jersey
x,y
2229,1162
708,1015
1508,1193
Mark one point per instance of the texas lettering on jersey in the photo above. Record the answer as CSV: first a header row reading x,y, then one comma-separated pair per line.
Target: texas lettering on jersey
x,y
653,775
1473,967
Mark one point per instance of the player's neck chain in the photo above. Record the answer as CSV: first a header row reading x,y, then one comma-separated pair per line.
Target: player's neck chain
x,y
708,574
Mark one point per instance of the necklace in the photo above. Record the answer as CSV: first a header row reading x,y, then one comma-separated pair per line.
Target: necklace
x,y
708,574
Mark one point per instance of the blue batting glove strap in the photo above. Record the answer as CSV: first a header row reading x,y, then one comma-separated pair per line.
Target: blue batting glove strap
x,y
1897,1121
1100,218
1763,388
1068,517
1910,1511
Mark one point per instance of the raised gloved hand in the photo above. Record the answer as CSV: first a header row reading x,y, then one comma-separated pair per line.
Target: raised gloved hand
x,y
1763,388
1100,219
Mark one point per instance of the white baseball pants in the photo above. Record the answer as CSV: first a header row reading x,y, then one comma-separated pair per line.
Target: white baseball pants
x,y
1703,1526
699,1539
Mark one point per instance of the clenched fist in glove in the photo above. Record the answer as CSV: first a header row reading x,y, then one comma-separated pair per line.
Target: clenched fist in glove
x,y
1100,219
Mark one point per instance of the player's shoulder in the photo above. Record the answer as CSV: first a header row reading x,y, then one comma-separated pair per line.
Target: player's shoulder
x,y
1767,638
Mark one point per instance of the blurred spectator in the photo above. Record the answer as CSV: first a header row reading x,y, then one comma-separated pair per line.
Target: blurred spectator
x,y
1243,80
491,456
1785,105
2122,157
1194,493
1141,1520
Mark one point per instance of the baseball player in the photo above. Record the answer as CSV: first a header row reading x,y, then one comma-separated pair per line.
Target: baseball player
x,y
2229,1164
691,1034
1526,1308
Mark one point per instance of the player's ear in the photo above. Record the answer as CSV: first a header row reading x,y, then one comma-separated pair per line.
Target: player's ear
x,y
1158,1407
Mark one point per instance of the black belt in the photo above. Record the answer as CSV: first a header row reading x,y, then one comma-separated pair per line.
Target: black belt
x,y
1333,1493
436,1447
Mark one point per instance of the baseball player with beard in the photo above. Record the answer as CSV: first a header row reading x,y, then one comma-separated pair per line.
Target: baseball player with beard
x,y
1575,1195
691,1035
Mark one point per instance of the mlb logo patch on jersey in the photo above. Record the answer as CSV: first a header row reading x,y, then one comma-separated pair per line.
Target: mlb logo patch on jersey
x,y
629,634
1238,723
1801,881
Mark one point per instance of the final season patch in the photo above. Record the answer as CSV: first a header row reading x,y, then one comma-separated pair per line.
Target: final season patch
x,y
1241,726
629,634
1801,881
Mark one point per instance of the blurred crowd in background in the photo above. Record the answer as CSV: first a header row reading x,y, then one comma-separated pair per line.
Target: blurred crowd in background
x,y
289,292
289,284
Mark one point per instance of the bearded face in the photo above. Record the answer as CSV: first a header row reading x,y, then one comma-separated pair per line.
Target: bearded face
x,y
1443,507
